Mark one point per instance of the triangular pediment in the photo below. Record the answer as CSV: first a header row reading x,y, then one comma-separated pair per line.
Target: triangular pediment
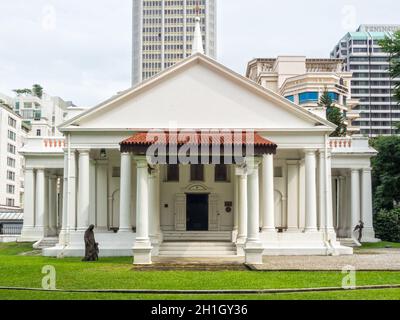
x,y
197,93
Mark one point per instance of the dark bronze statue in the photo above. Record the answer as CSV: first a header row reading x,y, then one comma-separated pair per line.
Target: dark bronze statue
x,y
359,228
91,246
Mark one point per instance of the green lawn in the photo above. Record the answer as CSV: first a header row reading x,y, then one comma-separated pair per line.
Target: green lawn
x,y
387,294
18,270
380,245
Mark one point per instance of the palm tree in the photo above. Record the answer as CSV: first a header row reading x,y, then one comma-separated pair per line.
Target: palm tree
x,y
37,90
333,114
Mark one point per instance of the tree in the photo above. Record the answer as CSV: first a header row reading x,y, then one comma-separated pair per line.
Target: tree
x,y
391,45
387,225
37,90
386,172
333,114
25,91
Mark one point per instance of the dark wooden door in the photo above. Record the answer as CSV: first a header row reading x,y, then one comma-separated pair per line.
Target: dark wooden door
x,y
197,212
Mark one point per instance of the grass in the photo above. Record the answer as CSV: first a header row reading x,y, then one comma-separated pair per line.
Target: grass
x,y
18,270
387,294
380,245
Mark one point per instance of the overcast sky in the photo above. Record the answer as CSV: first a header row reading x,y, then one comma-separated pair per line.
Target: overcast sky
x,y
81,50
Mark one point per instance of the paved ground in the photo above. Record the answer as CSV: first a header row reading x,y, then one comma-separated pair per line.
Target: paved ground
x,y
362,260
371,259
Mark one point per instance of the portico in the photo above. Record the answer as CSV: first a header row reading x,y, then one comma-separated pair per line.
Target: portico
x,y
277,200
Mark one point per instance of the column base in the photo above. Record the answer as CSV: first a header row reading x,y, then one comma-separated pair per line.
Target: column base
x,y
156,241
369,236
310,230
125,230
268,230
240,245
31,234
63,237
142,253
101,229
254,253
234,235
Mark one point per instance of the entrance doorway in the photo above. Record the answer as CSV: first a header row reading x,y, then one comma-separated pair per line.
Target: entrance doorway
x,y
197,212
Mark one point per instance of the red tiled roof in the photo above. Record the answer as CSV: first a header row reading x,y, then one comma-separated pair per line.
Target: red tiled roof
x,y
210,138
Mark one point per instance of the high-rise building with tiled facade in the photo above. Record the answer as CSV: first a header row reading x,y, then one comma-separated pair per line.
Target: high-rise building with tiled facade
x,y
371,84
163,33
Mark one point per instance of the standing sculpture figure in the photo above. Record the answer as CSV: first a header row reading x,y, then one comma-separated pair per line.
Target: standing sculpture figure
x,y
360,228
91,246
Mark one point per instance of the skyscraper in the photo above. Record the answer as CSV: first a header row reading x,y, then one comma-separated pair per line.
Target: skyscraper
x,y
371,83
163,33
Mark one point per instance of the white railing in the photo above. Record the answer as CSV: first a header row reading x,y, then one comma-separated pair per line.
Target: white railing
x,y
353,144
44,145
340,143
54,142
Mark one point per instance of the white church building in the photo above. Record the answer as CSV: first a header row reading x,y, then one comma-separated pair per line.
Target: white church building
x,y
298,192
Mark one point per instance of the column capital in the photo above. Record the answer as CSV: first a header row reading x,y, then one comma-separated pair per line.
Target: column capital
x,y
154,171
101,162
355,170
84,151
367,170
127,154
292,162
310,151
241,170
252,165
141,161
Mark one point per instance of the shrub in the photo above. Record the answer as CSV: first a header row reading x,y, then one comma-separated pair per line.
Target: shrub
x,y
387,225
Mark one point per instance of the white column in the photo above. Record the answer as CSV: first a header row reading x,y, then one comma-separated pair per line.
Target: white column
x,y
60,203
355,198
342,216
142,247
64,216
321,190
253,208
52,206
242,210
253,248
235,202
84,190
102,202
311,191
267,198
293,196
72,196
29,204
329,201
366,205
40,202
125,193
335,201
154,208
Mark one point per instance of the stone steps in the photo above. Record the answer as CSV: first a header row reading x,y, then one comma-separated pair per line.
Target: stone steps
x,y
46,243
197,249
197,235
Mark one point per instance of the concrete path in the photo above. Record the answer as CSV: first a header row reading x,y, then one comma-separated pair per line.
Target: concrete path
x,y
362,260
